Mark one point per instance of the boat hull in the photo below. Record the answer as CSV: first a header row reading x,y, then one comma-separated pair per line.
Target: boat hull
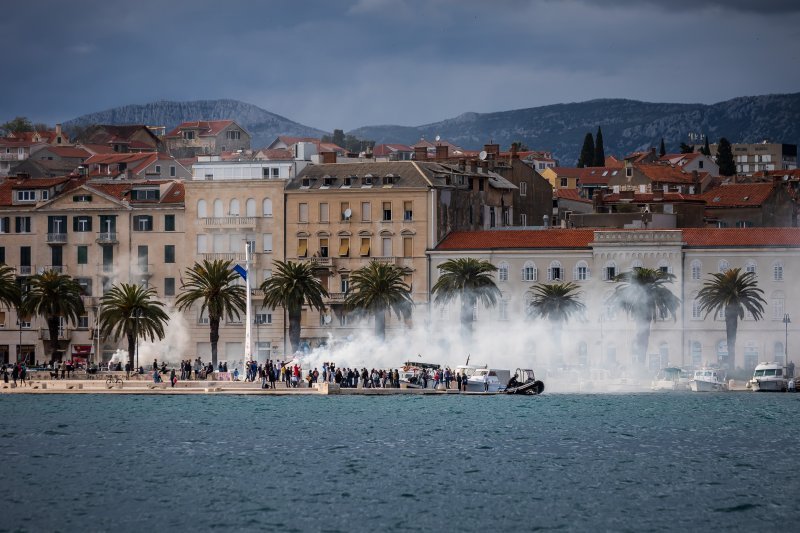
x,y
530,388
769,385
705,386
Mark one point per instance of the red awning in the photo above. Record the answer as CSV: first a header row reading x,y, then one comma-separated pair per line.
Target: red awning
x,y
79,349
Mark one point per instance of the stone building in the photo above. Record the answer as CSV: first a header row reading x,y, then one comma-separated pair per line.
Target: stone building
x,y
204,137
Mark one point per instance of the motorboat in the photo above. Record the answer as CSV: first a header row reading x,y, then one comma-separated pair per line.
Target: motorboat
x,y
769,377
670,379
708,380
411,374
524,382
488,380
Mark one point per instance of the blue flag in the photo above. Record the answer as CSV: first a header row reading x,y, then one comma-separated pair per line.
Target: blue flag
x,y
241,271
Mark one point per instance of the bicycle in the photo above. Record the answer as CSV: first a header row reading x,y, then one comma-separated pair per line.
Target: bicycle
x,y
113,380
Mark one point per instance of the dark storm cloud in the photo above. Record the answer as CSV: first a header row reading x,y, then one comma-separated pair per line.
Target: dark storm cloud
x,y
347,64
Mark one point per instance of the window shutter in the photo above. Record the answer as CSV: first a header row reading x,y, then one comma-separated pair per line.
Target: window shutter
x,y
75,223
575,273
17,224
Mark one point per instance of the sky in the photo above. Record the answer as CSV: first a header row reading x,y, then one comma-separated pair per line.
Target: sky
x,y
349,63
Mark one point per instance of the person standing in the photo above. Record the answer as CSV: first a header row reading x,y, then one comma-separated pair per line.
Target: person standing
x,y
458,380
172,378
15,373
23,373
486,382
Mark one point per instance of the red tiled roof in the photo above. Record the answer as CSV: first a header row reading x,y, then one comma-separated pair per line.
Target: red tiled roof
x,y
648,198
660,173
588,175
68,151
517,239
175,194
387,149
723,237
613,162
9,185
570,194
207,127
738,195
277,153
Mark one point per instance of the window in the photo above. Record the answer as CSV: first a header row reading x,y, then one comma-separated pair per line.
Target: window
x,y
23,224
523,219
143,223
663,266
202,318
344,247
610,271
5,224
201,209
503,309
169,253
636,263
408,248
366,211
172,172
344,209
628,172
169,222
324,213
2,254
262,318
696,312
529,272
82,198
387,211
268,242
302,213
778,305
82,224
778,352
250,207
523,188
563,183
581,271
233,134
233,208
386,246
266,207
145,194
188,135
723,266
202,244
750,266
323,247
364,251
777,271
609,309
302,247
554,272
344,284
502,271
408,211
158,169
169,286
276,172
83,255
26,196
696,268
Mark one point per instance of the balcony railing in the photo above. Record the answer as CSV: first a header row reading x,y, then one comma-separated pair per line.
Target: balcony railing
x,y
337,296
56,238
105,269
228,221
61,269
25,270
227,256
318,262
12,157
385,260
63,334
107,238
143,270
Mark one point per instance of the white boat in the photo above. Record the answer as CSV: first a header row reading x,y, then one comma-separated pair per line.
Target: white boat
x,y
411,374
708,380
670,379
496,380
769,377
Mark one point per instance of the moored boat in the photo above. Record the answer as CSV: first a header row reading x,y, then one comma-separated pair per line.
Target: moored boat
x,y
670,379
769,377
708,380
524,382
488,380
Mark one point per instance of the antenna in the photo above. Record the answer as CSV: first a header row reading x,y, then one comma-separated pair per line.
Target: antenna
x,y
348,213
482,155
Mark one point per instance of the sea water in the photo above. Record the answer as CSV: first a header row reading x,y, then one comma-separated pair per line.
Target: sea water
x,y
400,463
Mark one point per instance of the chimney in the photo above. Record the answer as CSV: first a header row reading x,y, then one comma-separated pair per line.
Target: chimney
x,y
492,150
441,151
420,153
328,157
514,149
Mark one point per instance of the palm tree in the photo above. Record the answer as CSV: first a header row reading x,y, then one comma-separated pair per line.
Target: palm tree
x,y
556,302
732,292
643,295
377,288
53,296
132,311
292,286
212,284
471,280
9,290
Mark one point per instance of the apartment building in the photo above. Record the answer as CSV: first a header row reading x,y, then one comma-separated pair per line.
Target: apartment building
x,y
759,157
203,137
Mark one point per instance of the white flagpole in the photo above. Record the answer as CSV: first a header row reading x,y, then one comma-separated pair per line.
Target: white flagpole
x,y
247,347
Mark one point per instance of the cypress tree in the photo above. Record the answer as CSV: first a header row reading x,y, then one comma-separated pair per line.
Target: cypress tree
x,y
706,149
686,149
662,150
727,166
599,151
587,152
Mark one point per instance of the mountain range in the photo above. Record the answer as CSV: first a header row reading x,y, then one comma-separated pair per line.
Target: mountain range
x,y
628,125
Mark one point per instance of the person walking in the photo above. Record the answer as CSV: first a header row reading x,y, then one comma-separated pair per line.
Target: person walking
x,y
23,373
15,373
172,378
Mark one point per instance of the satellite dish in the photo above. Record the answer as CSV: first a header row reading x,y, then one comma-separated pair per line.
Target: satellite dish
x,y
327,319
437,138
482,155
348,213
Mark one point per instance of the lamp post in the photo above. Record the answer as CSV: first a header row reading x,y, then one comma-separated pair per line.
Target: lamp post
x,y
135,316
786,321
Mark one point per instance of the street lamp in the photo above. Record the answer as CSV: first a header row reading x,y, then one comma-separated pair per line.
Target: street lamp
x,y
135,316
786,321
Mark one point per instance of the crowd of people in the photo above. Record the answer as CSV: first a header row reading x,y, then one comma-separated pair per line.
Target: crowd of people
x,y
18,372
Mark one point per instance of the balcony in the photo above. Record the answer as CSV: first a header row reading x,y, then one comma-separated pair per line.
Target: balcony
x,y
63,334
142,270
25,270
107,238
56,238
12,157
318,262
228,222
227,256
61,269
105,270
337,297
386,260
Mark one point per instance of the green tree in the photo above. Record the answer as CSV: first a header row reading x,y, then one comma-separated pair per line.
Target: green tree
x,y
643,294
132,312
587,152
599,150
53,296
471,280
727,166
338,138
211,283
379,287
732,292
706,148
686,149
662,150
9,289
555,302
292,286
17,125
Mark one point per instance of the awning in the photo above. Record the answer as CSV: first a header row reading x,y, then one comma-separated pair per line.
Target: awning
x,y
344,249
302,248
81,349
365,247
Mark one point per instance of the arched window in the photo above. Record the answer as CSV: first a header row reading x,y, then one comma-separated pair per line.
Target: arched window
x,y
218,210
697,268
610,271
778,352
529,272
609,310
778,305
234,208
555,272
527,305
750,266
696,312
697,354
722,352
750,356
724,266
581,272
201,209
583,354
250,207
777,271
502,271
663,356
636,263
266,207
